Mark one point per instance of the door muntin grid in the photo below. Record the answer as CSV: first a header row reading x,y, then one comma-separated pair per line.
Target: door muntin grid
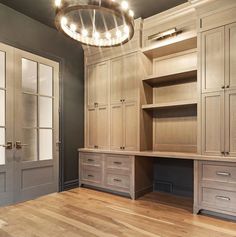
x,y
37,111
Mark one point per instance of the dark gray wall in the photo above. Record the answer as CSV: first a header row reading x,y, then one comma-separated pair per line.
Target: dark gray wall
x,y
25,33
175,173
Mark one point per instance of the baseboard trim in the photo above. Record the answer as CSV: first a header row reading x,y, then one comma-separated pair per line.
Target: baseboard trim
x,y
71,184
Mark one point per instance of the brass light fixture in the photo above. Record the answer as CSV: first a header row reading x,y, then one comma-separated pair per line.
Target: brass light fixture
x,y
99,23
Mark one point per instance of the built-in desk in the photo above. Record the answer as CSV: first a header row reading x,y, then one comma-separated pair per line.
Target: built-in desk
x,y
131,174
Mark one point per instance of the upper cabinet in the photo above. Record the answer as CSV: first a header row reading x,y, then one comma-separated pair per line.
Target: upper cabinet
x,y
98,84
124,86
213,51
230,35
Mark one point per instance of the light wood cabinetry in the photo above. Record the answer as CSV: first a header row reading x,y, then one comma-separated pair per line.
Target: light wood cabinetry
x,y
230,36
124,84
124,126
97,84
213,60
213,123
123,174
97,131
215,187
218,87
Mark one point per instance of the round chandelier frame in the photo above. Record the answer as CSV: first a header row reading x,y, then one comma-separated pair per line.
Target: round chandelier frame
x,y
110,38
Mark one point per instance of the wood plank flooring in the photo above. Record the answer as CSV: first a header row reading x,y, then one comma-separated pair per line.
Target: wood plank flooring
x,y
87,213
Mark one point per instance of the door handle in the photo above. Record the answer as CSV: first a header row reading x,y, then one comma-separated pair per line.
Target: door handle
x,y
8,146
19,145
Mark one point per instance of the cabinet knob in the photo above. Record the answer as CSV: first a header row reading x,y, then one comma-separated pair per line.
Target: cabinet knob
x,y
223,87
227,86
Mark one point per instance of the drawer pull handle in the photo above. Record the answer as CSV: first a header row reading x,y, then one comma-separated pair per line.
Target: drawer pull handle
x,y
90,160
117,180
117,163
90,176
223,173
223,198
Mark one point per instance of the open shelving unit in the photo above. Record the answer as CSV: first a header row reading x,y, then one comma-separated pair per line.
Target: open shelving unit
x,y
171,101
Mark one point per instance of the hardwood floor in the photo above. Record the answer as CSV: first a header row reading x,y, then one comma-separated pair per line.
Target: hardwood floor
x,y
87,213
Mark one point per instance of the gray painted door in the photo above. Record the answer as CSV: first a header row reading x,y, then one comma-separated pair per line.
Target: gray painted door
x,y
36,126
29,109
6,125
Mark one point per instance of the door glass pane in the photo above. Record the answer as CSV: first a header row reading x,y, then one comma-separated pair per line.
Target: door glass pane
x,y
45,112
2,108
45,80
2,69
2,149
45,144
29,76
29,149
29,110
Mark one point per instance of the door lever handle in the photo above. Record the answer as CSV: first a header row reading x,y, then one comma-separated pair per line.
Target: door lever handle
x,y
19,145
8,146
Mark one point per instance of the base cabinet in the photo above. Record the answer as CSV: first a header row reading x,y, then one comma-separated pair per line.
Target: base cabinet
x,y
215,187
120,174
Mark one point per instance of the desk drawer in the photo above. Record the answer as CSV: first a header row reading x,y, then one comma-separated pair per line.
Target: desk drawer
x,y
117,182
219,199
123,163
91,175
90,159
219,172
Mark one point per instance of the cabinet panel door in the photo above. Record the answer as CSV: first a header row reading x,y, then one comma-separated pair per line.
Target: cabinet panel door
x,y
230,122
91,85
231,56
103,127
130,82
116,126
213,123
116,80
213,50
91,128
102,81
131,126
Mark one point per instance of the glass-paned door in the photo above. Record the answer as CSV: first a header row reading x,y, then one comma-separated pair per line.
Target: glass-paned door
x,y
6,124
36,125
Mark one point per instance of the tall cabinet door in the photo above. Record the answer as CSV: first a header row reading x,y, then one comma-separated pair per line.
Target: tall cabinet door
x,y
230,32
102,83
91,134
117,80
213,60
213,123
230,122
103,127
130,84
116,126
91,85
130,126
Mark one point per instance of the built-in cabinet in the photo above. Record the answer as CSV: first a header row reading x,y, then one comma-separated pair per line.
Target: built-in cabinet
x,y
112,114
218,60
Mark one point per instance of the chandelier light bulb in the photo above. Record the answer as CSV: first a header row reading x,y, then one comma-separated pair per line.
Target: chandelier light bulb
x,y
64,20
118,33
124,5
73,27
131,13
96,35
126,29
84,33
108,35
57,3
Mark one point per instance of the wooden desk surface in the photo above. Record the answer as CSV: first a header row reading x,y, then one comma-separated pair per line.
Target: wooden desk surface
x,y
157,154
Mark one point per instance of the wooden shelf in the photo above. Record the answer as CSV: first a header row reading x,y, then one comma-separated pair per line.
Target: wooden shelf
x,y
170,105
182,42
187,75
